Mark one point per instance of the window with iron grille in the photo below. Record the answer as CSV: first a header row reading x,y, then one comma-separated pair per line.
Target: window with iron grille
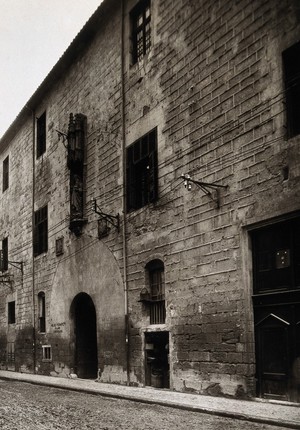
x,y
5,174
40,244
141,30
42,312
10,352
4,259
11,312
291,64
156,280
47,352
41,135
141,171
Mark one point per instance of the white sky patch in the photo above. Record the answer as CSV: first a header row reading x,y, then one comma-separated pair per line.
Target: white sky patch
x,y
33,36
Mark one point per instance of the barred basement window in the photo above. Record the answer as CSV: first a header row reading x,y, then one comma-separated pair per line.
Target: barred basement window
x,y
41,135
40,244
42,312
141,30
11,311
142,183
291,64
5,174
47,352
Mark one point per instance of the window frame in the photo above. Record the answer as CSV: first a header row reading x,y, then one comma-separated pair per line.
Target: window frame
x,y
4,265
42,312
142,172
41,135
5,174
40,234
144,28
11,312
291,71
155,272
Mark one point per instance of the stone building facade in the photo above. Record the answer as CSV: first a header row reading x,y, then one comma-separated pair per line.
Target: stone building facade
x,y
150,203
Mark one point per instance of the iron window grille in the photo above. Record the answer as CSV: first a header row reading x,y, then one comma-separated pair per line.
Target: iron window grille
x,y
157,292
41,135
142,182
141,30
11,308
5,174
40,244
47,352
291,64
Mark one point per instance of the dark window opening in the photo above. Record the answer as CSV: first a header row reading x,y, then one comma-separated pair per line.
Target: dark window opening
x,y
40,244
276,257
291,64
5,176
155,271
141,30
142,183
42,312
11,312
41,135
4,259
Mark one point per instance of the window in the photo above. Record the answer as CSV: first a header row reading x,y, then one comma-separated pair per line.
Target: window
x,y
155,271
276,257
10,352
11,312
141,30
4,259
291,64
41,135
142,172
42,312
47,352
40,243
5,176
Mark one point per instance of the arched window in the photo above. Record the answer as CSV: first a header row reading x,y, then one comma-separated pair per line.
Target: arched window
x,y
156,281
42,312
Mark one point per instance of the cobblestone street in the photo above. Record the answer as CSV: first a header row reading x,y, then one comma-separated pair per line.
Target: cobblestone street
x,y
26,406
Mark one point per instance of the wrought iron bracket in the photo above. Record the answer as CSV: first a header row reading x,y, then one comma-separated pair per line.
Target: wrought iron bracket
x,y
114,220
206,187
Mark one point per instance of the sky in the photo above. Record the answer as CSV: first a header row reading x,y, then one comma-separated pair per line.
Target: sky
x,y
33,36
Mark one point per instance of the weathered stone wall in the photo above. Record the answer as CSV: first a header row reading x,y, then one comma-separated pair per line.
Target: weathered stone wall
x,y
212,84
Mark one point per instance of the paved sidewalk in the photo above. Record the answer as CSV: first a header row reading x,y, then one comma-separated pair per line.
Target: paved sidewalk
x,y
275,413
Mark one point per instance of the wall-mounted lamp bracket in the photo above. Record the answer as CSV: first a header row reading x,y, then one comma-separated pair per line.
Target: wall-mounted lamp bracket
x,y
63,135
114,220
206,187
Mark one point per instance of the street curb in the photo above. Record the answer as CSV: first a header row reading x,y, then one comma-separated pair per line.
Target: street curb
x,y
205,410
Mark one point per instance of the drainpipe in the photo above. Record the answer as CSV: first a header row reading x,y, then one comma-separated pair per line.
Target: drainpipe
x,y
124,197
33,259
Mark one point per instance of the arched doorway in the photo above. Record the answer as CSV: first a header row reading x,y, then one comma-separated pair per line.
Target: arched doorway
x,y
85,330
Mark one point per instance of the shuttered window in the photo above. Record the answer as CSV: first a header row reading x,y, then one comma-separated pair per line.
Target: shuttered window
x,y
142,171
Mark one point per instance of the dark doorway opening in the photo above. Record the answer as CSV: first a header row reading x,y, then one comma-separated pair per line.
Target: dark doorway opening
x,y
85,329
157,371
276,302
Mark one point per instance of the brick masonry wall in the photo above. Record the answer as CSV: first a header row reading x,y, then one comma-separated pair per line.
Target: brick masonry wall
x,y
214,77
212,84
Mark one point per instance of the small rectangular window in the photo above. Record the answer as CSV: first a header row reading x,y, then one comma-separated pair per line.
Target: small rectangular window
x,y
11,307
10,352
40,244
142,179
291,64
41,135
141,30
4,259
47,352
42,312
5,176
